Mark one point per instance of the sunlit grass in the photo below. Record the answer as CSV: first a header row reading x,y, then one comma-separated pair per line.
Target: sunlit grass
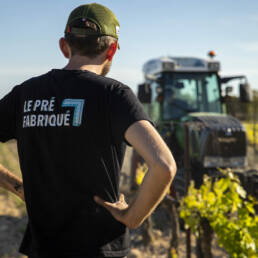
x,y
249,131
141,171
9,159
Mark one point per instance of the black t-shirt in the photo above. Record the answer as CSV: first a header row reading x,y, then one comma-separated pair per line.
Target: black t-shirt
x,y
70,128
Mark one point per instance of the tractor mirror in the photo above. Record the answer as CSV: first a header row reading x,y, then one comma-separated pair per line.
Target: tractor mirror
x,y
144,93
245,92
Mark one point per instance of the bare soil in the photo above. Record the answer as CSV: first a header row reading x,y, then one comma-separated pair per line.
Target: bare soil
x,y
13,217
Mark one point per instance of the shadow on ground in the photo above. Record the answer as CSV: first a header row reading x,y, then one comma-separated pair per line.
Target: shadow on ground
x,y
11,233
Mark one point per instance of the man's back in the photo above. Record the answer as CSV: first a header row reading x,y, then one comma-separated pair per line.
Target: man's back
x,y
65,162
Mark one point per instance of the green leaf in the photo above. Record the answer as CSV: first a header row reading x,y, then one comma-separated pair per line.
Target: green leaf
x,y
240,190
223,184
250,208
211,198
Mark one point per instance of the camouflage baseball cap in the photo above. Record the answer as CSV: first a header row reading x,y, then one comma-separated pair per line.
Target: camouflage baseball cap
x,y
100,15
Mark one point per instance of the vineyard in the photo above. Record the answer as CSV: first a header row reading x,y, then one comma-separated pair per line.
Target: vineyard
x,y
222,208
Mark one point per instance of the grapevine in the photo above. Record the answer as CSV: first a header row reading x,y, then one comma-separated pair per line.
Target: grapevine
x,y
229,211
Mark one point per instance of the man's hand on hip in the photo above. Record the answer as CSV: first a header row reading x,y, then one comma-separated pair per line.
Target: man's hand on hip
x,y
117,209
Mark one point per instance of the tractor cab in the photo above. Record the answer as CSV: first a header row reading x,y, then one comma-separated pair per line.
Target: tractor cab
x,y
177,86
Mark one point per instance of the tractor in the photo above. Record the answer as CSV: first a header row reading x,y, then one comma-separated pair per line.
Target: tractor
x,y
180,91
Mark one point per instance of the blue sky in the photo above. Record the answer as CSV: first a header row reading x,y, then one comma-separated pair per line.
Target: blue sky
x,y
30,31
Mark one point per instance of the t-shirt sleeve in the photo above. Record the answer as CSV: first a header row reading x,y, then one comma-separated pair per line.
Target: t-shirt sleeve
x,y
125,110
7,117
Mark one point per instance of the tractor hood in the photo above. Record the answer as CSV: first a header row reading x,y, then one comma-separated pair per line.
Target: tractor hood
x,y
219,140
217,121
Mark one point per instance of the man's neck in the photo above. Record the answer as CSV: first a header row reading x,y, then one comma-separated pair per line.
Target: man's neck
x,y
84,63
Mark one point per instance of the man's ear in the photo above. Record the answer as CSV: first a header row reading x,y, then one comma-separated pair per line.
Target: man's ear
x,y
64,47
111,51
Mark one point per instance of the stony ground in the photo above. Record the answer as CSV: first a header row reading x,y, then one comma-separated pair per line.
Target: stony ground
x,y
13,219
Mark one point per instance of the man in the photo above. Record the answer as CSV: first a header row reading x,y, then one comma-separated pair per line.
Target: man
x,y
71,127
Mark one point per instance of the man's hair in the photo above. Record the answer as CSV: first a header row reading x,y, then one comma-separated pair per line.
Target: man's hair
x,y
87,45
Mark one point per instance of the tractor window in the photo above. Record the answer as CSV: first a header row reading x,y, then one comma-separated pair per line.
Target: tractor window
x,y
190,92
213,93
179,98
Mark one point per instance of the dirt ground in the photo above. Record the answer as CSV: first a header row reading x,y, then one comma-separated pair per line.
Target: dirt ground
x,y
13,218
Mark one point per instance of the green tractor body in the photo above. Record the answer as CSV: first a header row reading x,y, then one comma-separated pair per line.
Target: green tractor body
x,y
180,90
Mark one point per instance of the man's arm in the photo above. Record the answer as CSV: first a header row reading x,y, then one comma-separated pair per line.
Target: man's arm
x,y
11,182
162,168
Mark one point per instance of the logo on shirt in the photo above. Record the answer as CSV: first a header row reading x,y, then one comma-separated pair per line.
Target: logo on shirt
x,y
41,113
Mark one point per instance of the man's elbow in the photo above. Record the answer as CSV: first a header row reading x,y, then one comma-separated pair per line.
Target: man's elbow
x,y
171,170
168,169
